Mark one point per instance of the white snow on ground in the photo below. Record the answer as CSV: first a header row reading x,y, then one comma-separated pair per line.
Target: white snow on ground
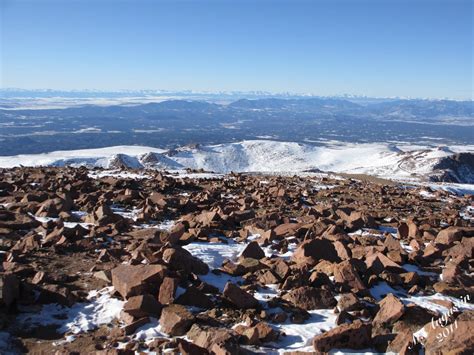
x,y
379,159
381,289
455,189
150,331
81,317
299,336
93,157
424,301
103,309
66,224
181,174
117,174
467,213
213,254
126,213
414,268
165,225
427,195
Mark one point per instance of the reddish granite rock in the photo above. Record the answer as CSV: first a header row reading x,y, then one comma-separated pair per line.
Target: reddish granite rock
x,y
312,251
167,290
391,309
216,340
310,298
195,297
132,280
345,274
451,234
354,336
180,259
142,306
377,263
253,250
176,320
239,297
454,338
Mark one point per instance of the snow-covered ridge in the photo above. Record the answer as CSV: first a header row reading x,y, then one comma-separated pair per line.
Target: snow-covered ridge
x,y
377,159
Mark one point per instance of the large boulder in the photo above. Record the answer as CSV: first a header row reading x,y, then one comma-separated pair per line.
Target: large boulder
x,y
142,306
176,320
378,262
253,250
309,298
450,235
312,251
346,275
239,297
216,340
391,309
133,280
356,335
180,259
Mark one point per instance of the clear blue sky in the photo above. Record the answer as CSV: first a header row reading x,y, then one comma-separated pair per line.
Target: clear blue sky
x,y
417,48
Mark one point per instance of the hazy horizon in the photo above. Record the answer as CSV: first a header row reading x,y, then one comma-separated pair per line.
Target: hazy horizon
x,y
255,93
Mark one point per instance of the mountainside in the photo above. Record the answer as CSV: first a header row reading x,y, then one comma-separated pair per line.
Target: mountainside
x,y
240,264
453,164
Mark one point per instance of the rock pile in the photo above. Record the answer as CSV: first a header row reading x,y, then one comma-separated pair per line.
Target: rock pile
x,y
63,234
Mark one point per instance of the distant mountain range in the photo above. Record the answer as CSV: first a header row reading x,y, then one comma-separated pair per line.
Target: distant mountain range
x,y
37,124
204,95
407,109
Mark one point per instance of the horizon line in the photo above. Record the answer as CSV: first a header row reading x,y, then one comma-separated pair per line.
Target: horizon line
x,y
237,92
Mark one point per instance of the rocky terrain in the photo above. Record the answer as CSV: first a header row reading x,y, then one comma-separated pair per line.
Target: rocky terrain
x,y
231,264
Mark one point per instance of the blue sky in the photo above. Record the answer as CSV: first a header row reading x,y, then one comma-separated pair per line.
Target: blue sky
x,y
416,48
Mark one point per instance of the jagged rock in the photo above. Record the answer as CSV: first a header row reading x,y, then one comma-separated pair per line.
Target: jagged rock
x,y
167,290
195,297
402,231
103,215
180,259
310,298
253,250
28,244
133,326
352,336
454,338
258,334
348,302
176,320
391,309
312,251
377,263
133,280
451,234
56,294
142,306
17,221
345,274
239,297
188,348
216,340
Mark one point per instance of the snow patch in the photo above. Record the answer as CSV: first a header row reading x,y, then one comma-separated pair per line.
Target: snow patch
x,y
81,317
